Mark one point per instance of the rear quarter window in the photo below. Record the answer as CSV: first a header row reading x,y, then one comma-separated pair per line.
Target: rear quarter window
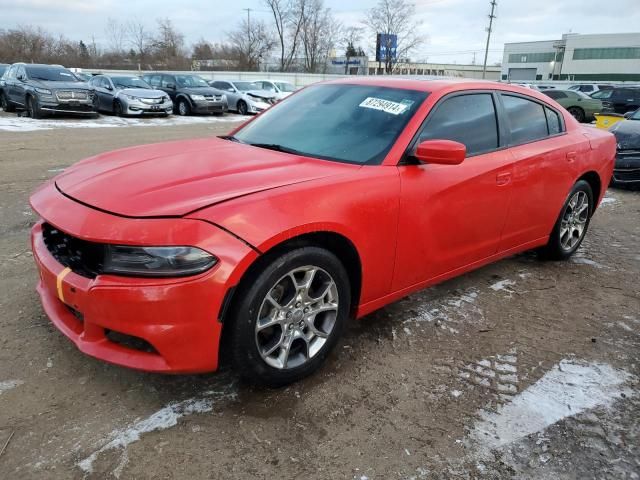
x,y
527,119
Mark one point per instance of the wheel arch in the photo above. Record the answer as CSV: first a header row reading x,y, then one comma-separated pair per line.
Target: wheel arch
x,y
594,181
334,242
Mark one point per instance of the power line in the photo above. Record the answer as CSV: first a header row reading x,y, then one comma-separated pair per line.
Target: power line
x,y
486,50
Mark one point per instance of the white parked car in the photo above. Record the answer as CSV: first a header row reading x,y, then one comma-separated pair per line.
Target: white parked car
x,y
589,88
280,88
244,96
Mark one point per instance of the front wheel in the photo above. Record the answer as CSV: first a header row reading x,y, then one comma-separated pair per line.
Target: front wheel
x,y
33,108
183,107
572,224
242,107
287,319
117,108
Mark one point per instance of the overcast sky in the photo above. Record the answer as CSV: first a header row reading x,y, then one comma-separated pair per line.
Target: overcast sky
x,y
454,29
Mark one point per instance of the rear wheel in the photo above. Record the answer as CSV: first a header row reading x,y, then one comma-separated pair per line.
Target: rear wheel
x,y
242,107
183,107
4,102
572,224
577,113
287,319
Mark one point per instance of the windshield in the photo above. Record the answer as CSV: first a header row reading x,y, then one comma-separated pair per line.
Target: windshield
x,y
347,123
602,94
246,86
3,68
285,86
50,74
129,82
581,94
191,81
635,115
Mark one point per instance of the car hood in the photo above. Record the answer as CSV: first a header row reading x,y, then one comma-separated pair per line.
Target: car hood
x,y
142,92
61,85
627,133
175,178
261,94
200,91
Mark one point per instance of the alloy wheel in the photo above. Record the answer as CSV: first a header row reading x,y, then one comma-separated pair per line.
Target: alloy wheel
x,y
296,317
574,220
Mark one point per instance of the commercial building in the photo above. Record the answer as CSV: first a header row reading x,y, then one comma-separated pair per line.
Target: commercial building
x,y
437,69
601,57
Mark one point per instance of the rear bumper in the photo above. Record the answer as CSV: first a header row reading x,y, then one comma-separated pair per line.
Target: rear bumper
x,y
177,318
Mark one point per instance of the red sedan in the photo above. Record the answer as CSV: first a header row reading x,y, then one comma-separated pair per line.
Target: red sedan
x,y
337,201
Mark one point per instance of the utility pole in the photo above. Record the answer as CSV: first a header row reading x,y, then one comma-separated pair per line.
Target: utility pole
x,y
248,20
486,50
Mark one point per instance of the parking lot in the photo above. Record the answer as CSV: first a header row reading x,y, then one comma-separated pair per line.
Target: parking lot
x,y
522,369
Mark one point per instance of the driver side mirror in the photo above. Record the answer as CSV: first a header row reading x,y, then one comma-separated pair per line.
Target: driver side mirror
x,y
441,152
628,115
21,77
171,86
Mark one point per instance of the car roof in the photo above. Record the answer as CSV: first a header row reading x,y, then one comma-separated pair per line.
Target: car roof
x,y
440,85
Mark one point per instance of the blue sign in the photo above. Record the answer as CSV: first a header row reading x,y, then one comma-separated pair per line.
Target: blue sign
x,y
386,47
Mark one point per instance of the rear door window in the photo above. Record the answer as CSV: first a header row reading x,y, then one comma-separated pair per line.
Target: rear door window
x,y
527,119
469,119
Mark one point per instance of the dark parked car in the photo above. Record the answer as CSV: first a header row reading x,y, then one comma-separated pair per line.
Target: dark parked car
x,y
619,99
627,168
45,89
190,93
3,68
129,95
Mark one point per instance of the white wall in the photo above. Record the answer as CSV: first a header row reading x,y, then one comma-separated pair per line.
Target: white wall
x,y
576,67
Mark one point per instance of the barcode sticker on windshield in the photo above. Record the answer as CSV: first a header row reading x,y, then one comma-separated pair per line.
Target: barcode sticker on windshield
x,y
387,106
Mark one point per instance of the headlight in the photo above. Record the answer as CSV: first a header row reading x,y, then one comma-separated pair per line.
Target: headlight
x,y
43,91
197,97
131,97
156,261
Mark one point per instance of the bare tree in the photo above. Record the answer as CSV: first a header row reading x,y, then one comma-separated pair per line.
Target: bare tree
x,y
252,42
288,16
320,31
351,37
395,17
139,39
116,34
168,45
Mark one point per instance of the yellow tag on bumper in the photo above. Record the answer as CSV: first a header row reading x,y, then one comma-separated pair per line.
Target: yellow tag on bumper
x,y
59,279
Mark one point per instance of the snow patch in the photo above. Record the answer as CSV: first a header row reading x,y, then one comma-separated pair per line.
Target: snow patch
x,y
569,388
502,285
449,311
163,419
9,385
24,124
608,200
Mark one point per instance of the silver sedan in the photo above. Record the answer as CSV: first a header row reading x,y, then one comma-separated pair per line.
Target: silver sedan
x,y
129,95
245,97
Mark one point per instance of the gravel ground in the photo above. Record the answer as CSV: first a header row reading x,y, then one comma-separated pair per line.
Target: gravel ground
x,y
522,369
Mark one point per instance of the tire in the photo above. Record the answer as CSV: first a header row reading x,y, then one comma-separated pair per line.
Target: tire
x,y
242,107
33,109
574,219
183,107
6,105
117,109
296,342
96,103
577,113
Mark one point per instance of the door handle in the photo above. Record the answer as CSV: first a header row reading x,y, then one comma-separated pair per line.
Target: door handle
x,y
571,156
503,178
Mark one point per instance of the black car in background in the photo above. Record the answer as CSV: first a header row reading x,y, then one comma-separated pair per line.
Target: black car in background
x,y
627,168
45,89
619,99
190,93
